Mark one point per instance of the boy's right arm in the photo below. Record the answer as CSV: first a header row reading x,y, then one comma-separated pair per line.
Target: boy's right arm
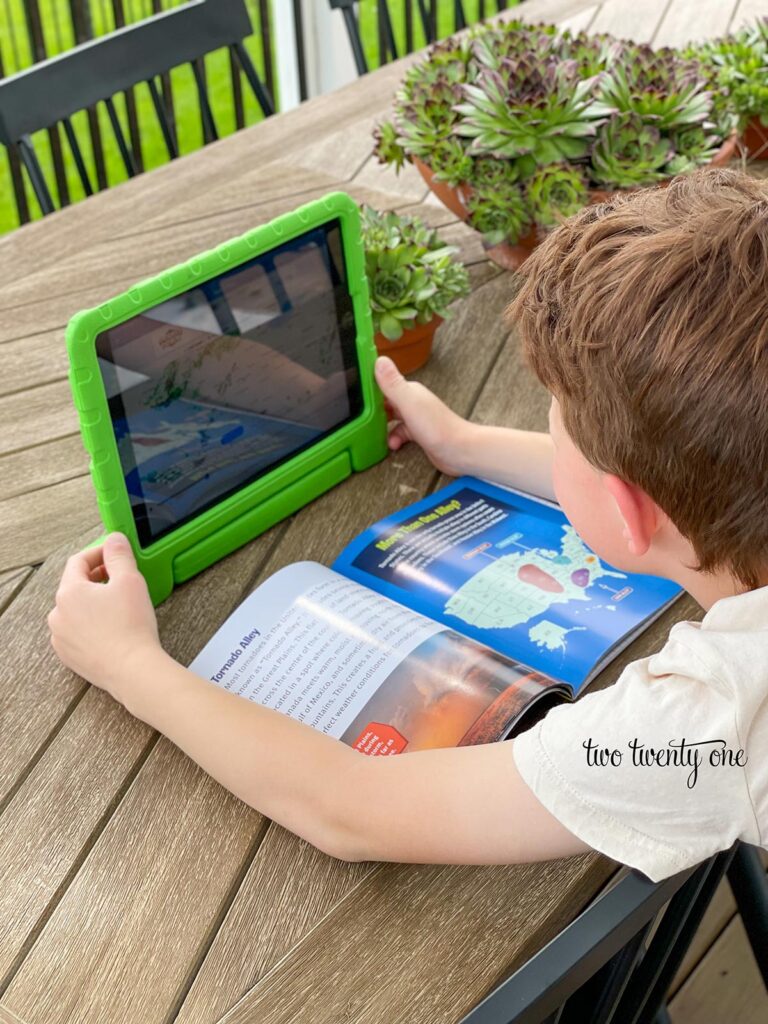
x,y
464,805
515,458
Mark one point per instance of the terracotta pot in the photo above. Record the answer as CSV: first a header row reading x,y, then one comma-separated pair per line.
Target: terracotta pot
x,y
412,350
450,196
727,152
512,257
756,139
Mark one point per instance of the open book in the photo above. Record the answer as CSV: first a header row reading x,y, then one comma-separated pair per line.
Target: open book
x,y
451,622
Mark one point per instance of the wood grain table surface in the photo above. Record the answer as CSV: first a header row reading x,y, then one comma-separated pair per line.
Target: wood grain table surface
x,y
133,888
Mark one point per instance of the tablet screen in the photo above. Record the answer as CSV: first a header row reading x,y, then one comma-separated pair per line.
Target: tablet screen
x,y
210,390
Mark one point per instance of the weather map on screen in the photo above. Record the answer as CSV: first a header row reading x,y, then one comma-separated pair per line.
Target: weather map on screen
x,y
214,387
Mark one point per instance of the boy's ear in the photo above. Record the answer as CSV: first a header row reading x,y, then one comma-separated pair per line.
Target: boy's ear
x,y
639,513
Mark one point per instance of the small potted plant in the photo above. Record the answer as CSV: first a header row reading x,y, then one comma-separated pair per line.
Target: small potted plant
x,y
738,67
516,127
412,278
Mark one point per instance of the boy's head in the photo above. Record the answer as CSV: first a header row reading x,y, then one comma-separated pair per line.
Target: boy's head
x,y
647,319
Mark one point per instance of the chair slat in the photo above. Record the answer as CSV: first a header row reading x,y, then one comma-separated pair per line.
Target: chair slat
x,y
210,134
266,46
77,155
35,172
166,126
263,97
122,145
14,165
237,90
134,133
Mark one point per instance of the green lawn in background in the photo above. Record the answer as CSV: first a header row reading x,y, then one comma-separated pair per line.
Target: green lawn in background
x,y
57,27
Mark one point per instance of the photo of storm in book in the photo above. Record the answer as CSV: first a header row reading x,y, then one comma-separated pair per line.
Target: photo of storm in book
x,y
450,691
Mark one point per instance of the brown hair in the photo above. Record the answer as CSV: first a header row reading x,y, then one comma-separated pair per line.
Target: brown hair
x,y
647,318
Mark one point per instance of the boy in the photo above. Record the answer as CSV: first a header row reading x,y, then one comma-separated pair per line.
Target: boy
x,y
647,320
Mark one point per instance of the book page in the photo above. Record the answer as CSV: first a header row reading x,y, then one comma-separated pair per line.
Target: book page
x,y
353,664
509,572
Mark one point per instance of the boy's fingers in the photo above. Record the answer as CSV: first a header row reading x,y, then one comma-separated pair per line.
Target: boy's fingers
x,y
118,556
389,378
81,565
398,436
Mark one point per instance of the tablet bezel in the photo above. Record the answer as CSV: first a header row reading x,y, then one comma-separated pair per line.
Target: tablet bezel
x,y
279,491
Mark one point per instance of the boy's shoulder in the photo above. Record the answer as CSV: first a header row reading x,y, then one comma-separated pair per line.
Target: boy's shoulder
x,y
728,649
661,769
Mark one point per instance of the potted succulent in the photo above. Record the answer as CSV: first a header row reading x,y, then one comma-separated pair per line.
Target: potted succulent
x,y
516,127
738,69
412,279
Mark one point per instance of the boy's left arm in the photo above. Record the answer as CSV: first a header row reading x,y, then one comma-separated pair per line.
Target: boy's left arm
x,y
459,805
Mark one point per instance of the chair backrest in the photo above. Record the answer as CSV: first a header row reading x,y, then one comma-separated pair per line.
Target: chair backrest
x,y
422,13
51,92
615,963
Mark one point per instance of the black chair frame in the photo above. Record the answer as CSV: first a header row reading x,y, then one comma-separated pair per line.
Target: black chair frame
x,y
427,14
51,91
615,962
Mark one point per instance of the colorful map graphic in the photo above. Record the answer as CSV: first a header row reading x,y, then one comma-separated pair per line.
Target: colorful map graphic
x,y
550,636
514,589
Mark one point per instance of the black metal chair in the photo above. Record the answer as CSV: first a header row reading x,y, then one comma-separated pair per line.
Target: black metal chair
x,y
615,963
425,10
50,92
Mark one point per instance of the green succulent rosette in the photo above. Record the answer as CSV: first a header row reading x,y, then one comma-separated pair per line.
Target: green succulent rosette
x,y
386,148
658,85
737,70
629,153
412,275
450,162
694,146
493,44
499,213
555,192
533,113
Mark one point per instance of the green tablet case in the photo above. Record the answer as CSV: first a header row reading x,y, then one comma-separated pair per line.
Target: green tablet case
x,y
280,492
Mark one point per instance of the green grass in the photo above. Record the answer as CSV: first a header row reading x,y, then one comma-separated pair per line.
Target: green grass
x,y
445,22
57,29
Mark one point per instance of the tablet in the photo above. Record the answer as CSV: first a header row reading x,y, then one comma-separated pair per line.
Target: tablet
x,y
226,393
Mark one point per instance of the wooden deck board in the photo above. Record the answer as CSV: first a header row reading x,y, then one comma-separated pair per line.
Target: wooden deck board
x,y
689,20
38,521
447,934
186,620
747,12
172,851
32,361
726,985
639,21
32,469
141,890
11,582
148,252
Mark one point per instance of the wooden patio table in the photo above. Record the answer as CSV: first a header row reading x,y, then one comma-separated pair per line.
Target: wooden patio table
x,y
132,887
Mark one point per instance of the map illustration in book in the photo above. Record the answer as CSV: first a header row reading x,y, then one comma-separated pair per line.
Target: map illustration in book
x,y
444,624
507,570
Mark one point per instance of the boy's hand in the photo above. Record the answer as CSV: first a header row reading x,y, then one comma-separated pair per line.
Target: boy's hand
x,y
99,628
419,415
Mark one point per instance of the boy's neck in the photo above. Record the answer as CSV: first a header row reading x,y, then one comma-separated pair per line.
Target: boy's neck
x,y
709,588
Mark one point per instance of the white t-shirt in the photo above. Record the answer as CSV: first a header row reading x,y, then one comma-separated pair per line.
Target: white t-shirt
x,y
708,686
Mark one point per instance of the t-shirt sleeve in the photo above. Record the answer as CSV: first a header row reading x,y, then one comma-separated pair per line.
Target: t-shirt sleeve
x,y
635,770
